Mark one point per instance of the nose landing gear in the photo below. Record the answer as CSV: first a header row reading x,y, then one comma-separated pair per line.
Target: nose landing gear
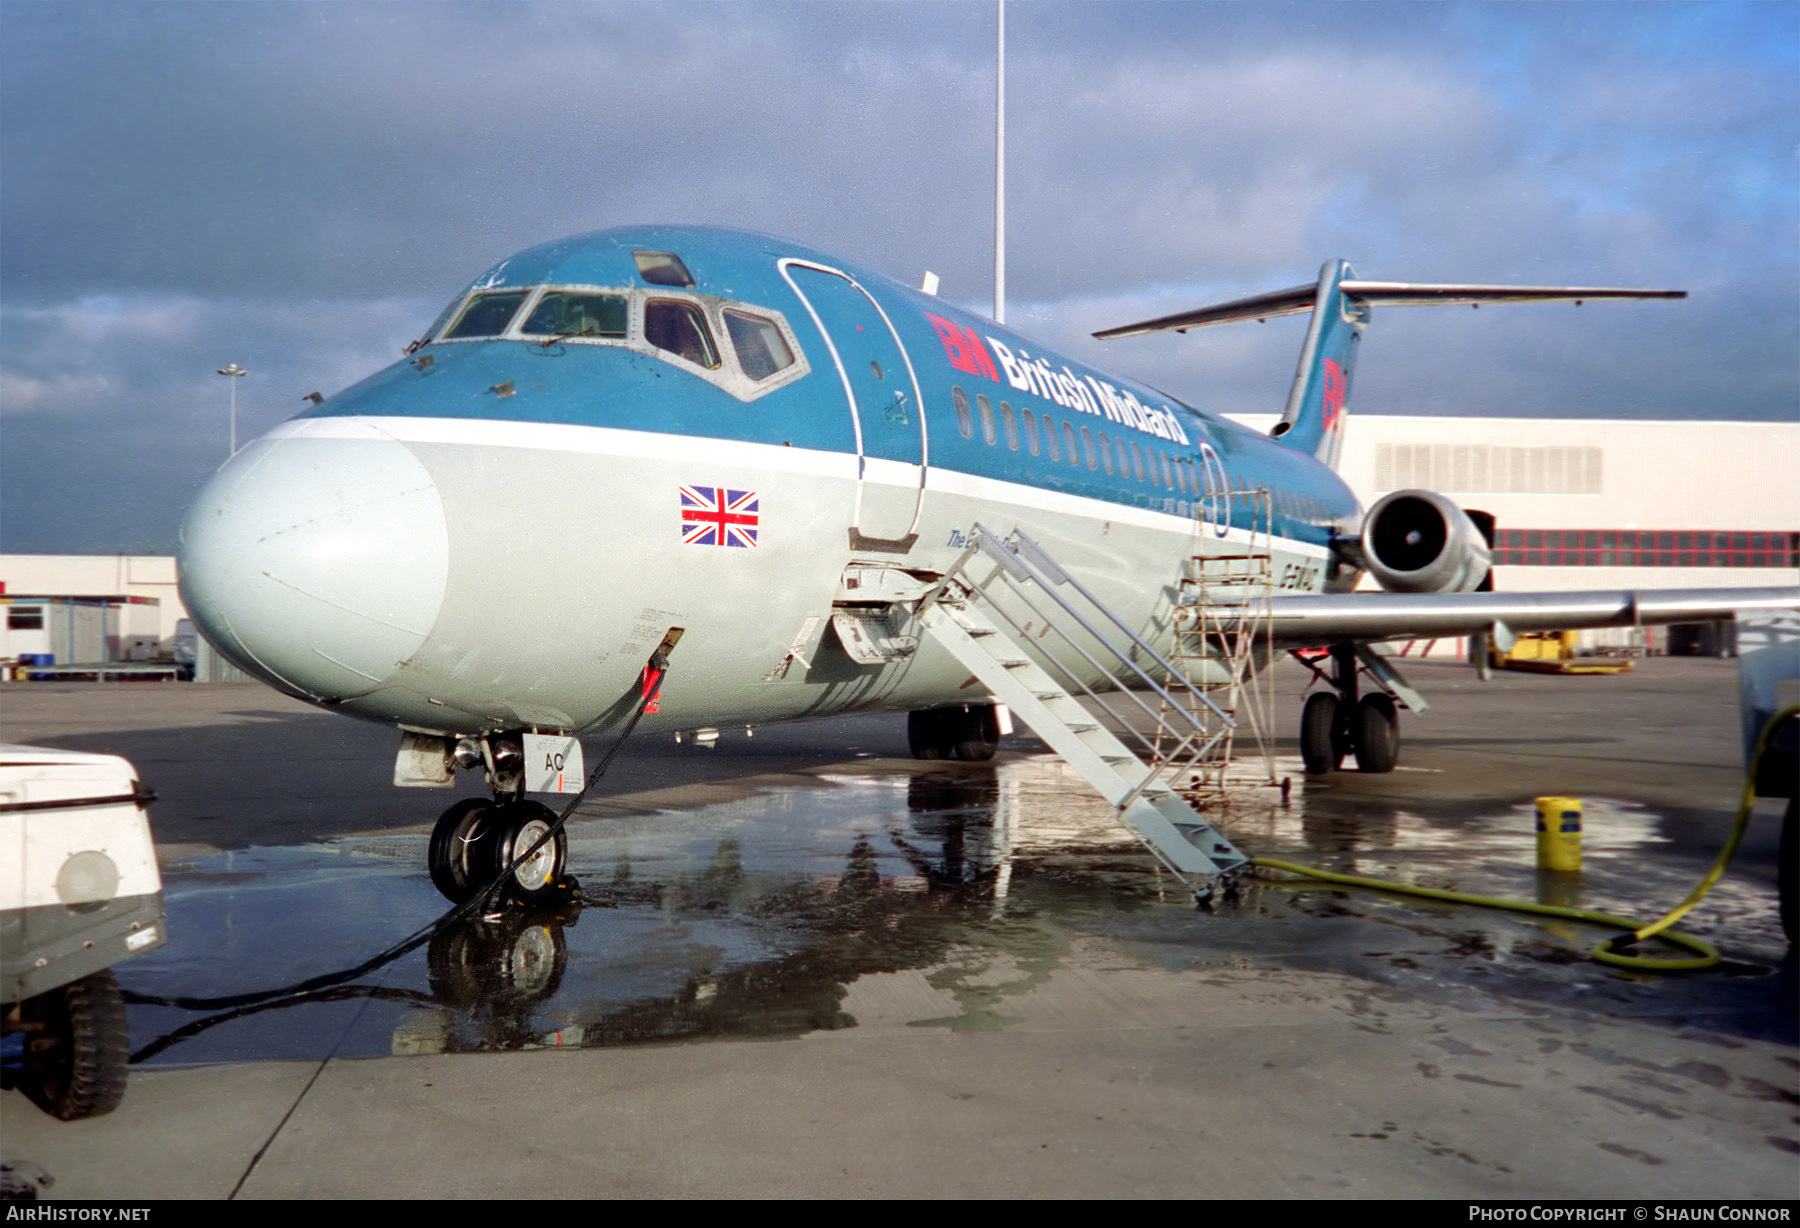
x,y
477,840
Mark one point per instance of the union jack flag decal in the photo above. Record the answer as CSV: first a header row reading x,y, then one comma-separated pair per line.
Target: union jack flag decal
x,y
714,516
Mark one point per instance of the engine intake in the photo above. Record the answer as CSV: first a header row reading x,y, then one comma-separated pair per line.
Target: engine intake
x,y
1417,541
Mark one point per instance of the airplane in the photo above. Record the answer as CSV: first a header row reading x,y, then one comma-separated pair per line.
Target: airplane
x,y
620,441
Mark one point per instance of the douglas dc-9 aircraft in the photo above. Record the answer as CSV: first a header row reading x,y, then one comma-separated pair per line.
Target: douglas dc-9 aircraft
x,y
625,438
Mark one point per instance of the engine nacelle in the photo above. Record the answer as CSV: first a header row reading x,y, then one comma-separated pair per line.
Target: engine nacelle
x,y
1417,541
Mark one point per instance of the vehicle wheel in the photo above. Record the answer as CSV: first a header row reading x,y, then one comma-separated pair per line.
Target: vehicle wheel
x,y
1787,869
1321,749
928,733
1377,733
78,1048
977,732
518,826
458,831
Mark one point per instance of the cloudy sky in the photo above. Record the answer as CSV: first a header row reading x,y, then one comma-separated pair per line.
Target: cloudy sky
x,y
298,187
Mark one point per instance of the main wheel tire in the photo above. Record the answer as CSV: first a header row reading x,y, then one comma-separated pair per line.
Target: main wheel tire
x,y
1377,733
977,732
1321,746
928,732
78,1050
461,829
518,827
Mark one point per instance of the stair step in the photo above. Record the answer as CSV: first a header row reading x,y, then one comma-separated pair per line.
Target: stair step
x,y
1179,837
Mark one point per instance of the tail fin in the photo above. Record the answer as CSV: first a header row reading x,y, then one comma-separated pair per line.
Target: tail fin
x,y
1315,404
1340,307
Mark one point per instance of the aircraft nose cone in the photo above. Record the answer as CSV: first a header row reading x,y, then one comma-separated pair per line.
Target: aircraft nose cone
x,y
318,563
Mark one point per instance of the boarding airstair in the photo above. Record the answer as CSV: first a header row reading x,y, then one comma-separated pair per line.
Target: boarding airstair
x,y
1036,638
1221,643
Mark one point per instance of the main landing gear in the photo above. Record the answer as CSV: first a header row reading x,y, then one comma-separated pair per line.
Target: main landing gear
x,y
1337,723
970,732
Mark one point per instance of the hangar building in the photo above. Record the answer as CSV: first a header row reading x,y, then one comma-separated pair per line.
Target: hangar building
x,y
1587,503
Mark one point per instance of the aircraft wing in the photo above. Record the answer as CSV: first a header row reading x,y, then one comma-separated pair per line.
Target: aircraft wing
x,y
1299,621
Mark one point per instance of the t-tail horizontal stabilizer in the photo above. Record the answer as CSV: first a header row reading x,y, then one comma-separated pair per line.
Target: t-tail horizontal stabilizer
x,y
1340,305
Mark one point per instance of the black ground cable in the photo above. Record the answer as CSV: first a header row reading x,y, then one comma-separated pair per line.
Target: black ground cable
x,y
650,686
337,993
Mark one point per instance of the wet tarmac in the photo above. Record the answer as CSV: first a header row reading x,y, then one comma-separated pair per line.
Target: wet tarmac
x,y
808,881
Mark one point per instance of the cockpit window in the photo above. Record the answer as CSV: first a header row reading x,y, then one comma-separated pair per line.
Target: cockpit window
x,y
746,349
761,349
487,315
571,313
663,269
680,328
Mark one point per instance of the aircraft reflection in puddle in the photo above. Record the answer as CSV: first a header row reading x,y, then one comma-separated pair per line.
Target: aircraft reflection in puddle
x,y
753,918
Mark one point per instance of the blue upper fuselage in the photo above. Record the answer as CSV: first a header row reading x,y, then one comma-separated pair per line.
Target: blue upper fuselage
x,y
704,332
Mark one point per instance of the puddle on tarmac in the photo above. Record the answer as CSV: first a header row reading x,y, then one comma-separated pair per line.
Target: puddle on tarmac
x,y
752,919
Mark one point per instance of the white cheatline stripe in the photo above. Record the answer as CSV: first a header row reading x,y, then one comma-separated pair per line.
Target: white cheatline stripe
x,y
700,449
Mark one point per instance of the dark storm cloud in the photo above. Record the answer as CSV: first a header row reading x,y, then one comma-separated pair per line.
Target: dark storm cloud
x,y
332,148
298,187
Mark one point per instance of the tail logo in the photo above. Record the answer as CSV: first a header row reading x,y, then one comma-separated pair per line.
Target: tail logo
x,y
1335,387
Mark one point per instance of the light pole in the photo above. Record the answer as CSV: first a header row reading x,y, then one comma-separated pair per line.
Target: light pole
x,y
234,371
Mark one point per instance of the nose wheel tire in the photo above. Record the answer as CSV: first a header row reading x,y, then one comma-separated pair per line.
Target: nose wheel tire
x,y
477,839
458,831
520,826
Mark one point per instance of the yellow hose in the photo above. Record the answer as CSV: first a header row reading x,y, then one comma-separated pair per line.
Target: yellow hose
x,y
1609,951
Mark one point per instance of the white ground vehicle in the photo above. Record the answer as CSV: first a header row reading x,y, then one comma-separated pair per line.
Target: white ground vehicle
x,y
79,891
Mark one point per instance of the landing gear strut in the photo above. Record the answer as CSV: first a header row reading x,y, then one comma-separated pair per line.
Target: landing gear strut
x,y
970,732
1338,722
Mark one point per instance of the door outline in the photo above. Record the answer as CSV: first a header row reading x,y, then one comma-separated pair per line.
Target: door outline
x,y
903,540
1217,499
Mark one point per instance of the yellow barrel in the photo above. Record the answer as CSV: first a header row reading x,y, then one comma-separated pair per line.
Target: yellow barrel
x,y
1559,833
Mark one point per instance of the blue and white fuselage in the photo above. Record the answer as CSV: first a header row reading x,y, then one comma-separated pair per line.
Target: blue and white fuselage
x,y
649,427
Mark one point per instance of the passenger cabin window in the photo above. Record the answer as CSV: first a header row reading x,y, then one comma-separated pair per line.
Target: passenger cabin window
x,y
986,410
487,315
761,349
571,313
680,328
663,269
